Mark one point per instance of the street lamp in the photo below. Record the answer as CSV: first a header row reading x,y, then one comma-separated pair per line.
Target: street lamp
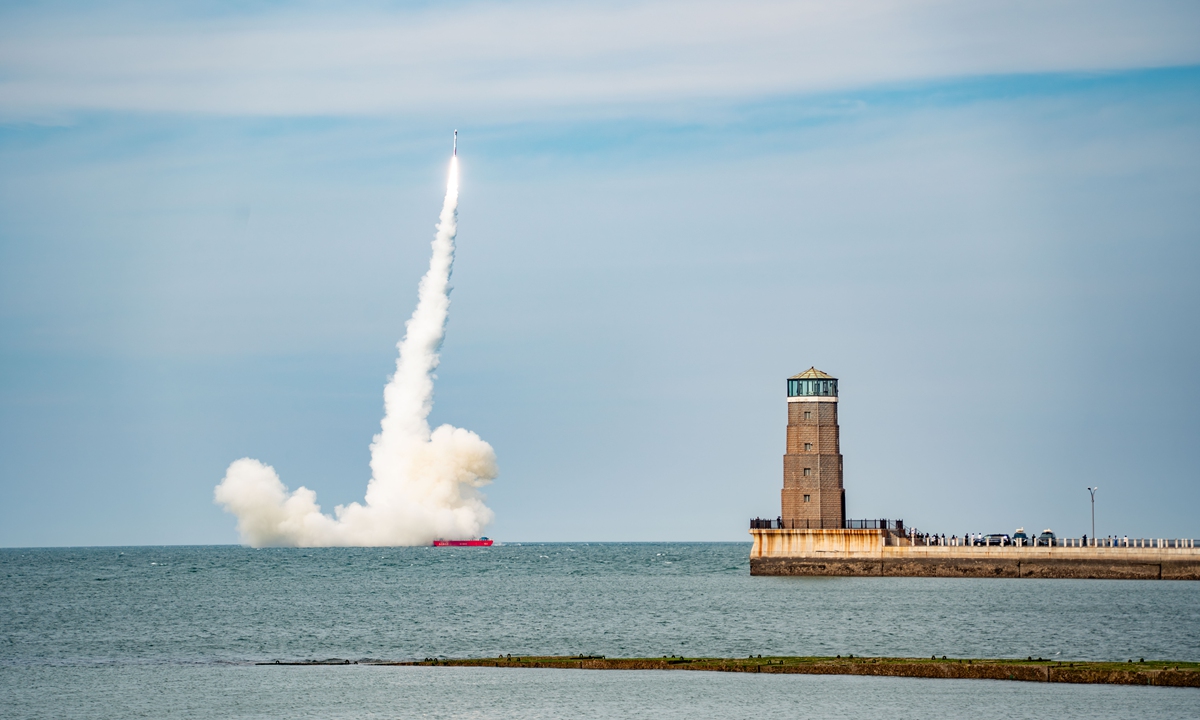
x,y
1093,490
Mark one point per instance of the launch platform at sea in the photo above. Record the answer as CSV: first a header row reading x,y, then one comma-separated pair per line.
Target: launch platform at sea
x,y
812,536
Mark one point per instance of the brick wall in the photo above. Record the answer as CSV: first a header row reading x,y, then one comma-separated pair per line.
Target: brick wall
x,y
812,466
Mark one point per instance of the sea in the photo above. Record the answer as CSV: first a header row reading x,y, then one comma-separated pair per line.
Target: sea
x,y
175,632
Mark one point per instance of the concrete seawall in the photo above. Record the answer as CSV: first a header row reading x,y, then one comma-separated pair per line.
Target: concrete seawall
x,y
867,553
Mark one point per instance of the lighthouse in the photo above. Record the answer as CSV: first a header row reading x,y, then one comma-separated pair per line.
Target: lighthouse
x,y
813,496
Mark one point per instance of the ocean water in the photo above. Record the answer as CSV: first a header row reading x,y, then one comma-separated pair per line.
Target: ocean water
x,y
174,632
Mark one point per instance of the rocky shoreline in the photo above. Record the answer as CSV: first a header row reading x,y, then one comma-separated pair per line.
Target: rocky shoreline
x,y
1135,672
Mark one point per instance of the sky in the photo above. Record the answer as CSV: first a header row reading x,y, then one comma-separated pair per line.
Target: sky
x,y
983,218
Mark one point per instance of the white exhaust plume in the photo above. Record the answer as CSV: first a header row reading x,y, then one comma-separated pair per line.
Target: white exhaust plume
x,y
424,485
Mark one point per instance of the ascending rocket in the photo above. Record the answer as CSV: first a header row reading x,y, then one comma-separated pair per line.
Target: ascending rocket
x,y
455,143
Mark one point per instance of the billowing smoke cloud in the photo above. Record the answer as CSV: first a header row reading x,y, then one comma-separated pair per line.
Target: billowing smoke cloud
x,y
424,485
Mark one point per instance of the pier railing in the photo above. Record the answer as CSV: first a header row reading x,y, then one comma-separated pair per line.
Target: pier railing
x,y
781,524
1122,542
926,540
1108,542
915,537
920,539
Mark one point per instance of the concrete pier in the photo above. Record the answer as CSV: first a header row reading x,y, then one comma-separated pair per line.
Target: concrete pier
x,y
879,553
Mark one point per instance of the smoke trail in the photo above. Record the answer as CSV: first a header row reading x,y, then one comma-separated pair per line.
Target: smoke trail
x,y
424,485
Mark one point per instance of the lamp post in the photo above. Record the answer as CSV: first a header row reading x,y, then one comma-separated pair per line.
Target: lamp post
x,y
1093,490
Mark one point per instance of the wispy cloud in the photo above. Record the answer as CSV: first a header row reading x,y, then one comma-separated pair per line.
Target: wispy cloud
x,y
523,58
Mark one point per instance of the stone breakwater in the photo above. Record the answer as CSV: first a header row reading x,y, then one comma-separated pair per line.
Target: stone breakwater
x,y
875,553
1157,673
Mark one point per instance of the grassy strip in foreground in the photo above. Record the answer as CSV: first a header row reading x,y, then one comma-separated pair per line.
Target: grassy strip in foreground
x,y
1138,672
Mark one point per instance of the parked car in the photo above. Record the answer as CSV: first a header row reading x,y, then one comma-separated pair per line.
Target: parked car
x,y
997,539
1047,538
1020,538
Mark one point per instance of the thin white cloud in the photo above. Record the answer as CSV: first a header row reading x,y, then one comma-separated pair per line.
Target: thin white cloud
x,y
529,57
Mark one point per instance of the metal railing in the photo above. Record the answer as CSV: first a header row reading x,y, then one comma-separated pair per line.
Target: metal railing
x,y
781,524
912,536
923,540
1127,542
897,525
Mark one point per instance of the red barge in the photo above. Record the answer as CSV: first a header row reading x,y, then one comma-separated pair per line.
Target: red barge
x,y
481,542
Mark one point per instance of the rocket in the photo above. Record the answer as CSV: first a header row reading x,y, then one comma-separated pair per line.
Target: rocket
x,y
455,143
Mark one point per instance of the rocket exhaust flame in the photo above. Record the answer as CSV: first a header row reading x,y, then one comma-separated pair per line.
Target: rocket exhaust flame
x,y
424,484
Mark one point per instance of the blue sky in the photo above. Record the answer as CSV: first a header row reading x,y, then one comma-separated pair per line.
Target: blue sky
x,y
984,220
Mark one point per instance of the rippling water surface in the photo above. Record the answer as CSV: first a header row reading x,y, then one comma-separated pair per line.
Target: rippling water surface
x,y
159,631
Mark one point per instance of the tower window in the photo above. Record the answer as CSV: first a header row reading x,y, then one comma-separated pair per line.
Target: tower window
x,y
807,472
807,447
807,498
807,415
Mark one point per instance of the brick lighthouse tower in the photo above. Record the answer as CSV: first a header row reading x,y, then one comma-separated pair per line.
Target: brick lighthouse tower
x,y
813,496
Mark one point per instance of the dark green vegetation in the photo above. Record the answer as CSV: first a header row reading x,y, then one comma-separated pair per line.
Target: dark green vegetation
x,y
1134,672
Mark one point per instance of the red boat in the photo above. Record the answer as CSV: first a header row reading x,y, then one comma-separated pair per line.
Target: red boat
x,y
481,542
